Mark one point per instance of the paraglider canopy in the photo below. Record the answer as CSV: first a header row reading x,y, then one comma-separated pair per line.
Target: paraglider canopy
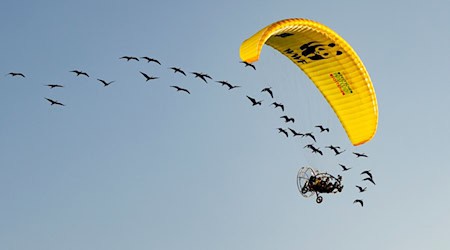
x,y
331,64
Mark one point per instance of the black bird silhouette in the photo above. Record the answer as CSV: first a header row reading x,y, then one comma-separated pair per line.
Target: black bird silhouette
x,y
359,201
316,150
369,179
367,172
129,58
248,64
53,102
335,149
78,72
295,133
151,59
105,83
202,76
287,119
278,105
281,130
181,89
230,87
254,102
175,70
54,86
16,74
147,77
344,168
268,90
322,129
361,189
360,155
310,135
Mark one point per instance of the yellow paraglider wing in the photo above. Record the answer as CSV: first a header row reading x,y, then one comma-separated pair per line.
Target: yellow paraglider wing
x,y
332,65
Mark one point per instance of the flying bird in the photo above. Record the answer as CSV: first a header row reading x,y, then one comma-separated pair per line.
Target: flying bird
x,y
361,189
129,58
230,86
254,102
181,89
316,150
359,201
16,74
322,129
175,70
268,90
311,136
54,86
360,155
280,130
202,76
287,119
147,77
278,105
295,133
53,102
369,179
151,59
335,149
248,64
344,168
78,72
367,172
105,83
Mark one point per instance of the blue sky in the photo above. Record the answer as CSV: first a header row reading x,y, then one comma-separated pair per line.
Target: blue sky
x,y
137,165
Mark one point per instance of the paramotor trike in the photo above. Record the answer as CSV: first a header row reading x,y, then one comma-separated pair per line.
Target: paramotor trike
x,y
310,181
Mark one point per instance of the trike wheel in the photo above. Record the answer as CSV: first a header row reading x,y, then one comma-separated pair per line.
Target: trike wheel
x,y
319,199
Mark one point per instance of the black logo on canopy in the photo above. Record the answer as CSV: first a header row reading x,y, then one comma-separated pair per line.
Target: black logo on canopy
x,y
313,51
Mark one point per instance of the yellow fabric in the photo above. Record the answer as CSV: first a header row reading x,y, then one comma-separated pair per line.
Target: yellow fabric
x,y
331,64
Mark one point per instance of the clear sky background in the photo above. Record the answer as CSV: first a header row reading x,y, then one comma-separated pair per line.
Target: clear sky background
x,y
138,165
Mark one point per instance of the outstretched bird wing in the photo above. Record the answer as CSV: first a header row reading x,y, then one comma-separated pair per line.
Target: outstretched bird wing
x,y
178,70
369,179
367,172
359,201
53,102
181,89
249,64
311,135
268,90
281,130
344,168
361,189
252,100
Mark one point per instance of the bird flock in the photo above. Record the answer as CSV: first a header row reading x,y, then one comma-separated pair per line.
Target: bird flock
x,y
311,136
